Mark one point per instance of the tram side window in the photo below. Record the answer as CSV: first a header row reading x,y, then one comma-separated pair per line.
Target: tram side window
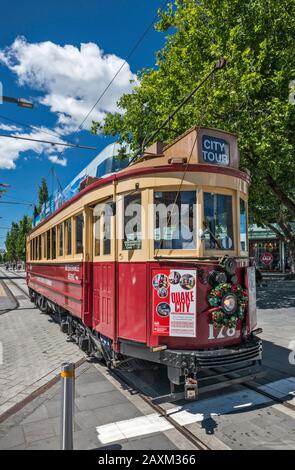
x,y
48,244
79,222
132,222
218,221
43,246
53,240
39,248
61,240
243,225
96,234
102,227
68,234
31,250
106,228
175,220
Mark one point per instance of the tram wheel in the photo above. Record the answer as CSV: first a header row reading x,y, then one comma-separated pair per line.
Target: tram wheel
x,y
42,304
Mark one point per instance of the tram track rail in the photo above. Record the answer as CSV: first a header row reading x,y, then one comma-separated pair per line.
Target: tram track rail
x,y
255,387
195,440
14,283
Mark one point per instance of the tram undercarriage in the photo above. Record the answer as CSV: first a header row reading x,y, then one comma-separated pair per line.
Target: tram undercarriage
x,y
191,373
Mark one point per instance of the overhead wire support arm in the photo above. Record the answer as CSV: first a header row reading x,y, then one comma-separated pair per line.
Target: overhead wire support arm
x,y
48,142
220,63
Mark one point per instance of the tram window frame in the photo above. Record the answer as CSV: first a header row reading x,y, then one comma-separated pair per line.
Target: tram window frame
x,y
126,219
230,233
31,250
68,248
60,240
79,249
102,246
246,250
48,244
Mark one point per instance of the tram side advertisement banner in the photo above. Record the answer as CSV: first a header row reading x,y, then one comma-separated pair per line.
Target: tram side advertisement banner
x,y
174,302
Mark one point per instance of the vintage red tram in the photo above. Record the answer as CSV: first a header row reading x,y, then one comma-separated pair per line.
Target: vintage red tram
x,y
152,262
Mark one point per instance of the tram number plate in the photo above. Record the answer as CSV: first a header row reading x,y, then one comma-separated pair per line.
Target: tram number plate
x,y
220,333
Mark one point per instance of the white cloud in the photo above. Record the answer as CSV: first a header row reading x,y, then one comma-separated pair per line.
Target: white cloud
x,y
10,148
58,161
70,78
9,128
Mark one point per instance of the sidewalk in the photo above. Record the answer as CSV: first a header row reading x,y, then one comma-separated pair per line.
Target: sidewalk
x,y
100,400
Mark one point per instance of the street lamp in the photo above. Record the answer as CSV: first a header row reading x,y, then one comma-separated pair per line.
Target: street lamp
x,y
21,102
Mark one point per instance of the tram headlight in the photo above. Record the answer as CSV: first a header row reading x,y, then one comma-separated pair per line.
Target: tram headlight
x,y
229,303
230,265
217,277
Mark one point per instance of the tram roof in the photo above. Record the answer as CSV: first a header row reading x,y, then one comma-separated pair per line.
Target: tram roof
x,y
187,148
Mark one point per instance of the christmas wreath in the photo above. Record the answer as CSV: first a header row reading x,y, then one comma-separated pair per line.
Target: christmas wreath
x,y
220,316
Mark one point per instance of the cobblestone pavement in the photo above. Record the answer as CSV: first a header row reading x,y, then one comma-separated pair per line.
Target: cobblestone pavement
x,y
32,348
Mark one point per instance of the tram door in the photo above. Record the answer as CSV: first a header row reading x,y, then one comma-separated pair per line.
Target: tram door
x,y
103,270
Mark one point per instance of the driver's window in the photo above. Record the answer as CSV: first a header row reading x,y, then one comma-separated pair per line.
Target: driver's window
x,y
218,222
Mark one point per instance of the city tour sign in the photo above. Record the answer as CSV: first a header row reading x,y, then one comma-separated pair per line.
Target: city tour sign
x,y
215,151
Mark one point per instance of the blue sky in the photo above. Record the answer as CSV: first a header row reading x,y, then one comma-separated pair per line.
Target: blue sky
x,y
41,59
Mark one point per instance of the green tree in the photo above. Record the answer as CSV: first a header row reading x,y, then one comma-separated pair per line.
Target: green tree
x,y
16,239
249,97
43,192
25,226
11,242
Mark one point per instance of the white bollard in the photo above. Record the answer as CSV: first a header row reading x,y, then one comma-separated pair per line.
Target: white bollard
x,y
67,405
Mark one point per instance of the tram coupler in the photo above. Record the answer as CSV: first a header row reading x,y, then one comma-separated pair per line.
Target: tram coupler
x,y
191,389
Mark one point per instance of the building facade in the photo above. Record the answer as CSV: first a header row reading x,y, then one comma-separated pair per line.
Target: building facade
x,y
270,253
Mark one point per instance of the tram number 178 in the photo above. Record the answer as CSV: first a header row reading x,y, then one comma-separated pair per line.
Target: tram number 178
x,y
220,333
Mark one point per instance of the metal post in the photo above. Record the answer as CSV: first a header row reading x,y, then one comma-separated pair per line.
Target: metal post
x,y
67,405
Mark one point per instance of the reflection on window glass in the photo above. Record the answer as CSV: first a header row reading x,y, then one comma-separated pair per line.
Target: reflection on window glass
x,y
175,220
79,233
102,222
243,226
61,240
68,231
218,223
96,235
48,249
132,222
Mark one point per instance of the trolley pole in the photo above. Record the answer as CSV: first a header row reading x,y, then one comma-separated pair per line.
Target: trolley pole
x,y
67,405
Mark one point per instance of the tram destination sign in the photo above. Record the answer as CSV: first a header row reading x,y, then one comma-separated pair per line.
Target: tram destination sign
x,y
215,151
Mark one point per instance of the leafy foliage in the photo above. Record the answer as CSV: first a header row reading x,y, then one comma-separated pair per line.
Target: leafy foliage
x,y
250,97
16,239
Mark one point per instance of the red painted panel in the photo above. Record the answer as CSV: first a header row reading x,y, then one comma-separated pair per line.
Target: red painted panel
x,y
60,283
132,301
104,298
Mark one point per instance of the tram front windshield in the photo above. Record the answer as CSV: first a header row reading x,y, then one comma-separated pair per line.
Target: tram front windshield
x,y
218,222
